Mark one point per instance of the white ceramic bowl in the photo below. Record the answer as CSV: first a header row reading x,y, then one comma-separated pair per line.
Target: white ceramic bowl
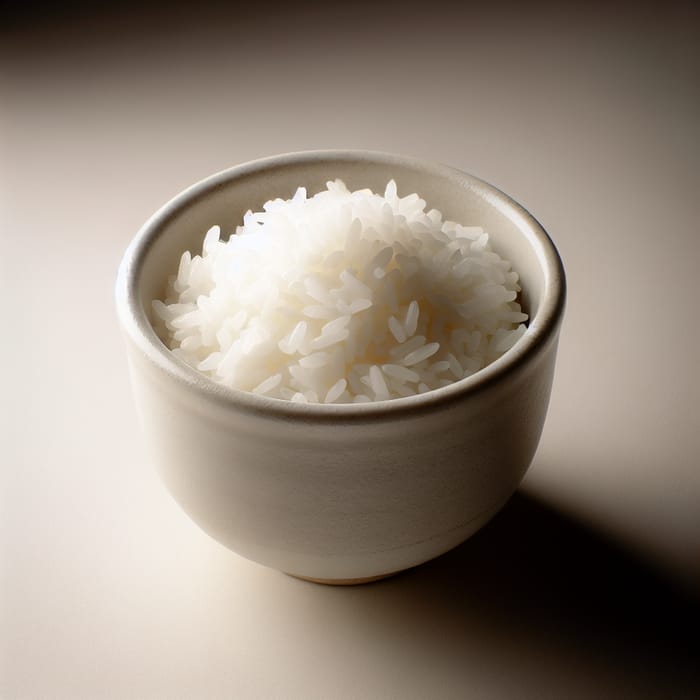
x,y
341,492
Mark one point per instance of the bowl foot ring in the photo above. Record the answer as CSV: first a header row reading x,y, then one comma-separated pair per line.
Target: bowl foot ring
x,y
344,581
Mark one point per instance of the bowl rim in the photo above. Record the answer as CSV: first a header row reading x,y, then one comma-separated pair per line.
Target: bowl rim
x,y
541,329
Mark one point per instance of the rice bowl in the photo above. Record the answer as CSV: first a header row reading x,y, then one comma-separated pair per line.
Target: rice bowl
x,y
341,492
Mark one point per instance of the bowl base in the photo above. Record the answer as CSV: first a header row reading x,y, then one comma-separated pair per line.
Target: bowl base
x,y
344,581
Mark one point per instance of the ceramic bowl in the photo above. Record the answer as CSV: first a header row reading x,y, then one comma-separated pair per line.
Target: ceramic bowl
x,y
347,492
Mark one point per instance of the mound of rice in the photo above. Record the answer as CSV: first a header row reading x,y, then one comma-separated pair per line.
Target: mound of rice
x,y
342,297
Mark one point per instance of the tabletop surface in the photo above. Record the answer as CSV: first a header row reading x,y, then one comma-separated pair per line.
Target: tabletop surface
x,y
587,584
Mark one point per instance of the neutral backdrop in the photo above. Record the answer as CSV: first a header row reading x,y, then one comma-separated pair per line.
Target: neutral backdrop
x,y
588,583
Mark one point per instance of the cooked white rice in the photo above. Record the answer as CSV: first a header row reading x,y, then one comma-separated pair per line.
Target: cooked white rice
x,y
342,297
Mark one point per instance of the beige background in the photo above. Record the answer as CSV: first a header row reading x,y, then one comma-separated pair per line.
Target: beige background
x,y
587,585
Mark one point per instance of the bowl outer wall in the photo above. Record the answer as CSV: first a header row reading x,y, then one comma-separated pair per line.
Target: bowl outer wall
x,y
339,493
350,500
